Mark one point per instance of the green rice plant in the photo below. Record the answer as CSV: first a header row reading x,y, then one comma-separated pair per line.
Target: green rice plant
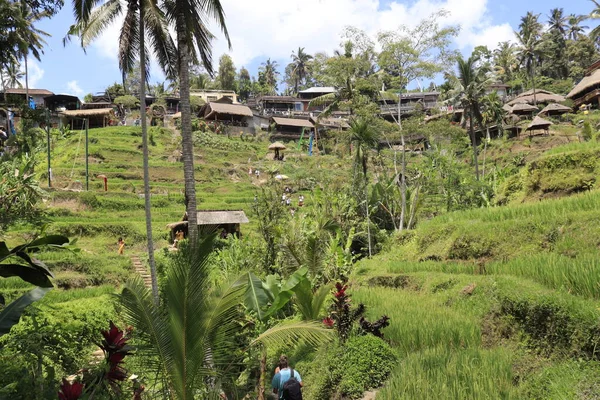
x,y
444,373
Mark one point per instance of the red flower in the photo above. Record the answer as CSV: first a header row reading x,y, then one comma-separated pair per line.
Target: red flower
x,y
328,322
70,391
113,338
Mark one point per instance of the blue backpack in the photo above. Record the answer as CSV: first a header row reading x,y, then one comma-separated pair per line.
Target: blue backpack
x,y
291,388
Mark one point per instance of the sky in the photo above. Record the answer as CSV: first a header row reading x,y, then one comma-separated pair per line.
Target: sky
x,y
262,29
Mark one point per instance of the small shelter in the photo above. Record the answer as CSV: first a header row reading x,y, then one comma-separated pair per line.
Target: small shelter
x,y
291,128
588,89
224,222
555,109
523,109
277,147
539,123
507,108
98,118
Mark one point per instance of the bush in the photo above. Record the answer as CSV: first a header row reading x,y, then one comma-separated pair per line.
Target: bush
x,y
347,371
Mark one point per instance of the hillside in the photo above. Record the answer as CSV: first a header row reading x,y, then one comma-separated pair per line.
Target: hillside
x,y
498,302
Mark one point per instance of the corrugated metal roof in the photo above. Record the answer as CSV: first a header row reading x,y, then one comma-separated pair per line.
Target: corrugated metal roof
x,y
293,122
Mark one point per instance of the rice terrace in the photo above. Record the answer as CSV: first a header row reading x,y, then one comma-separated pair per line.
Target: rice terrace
x,y
319,200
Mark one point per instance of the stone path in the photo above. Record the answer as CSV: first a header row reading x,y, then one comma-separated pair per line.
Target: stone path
x,y
142,271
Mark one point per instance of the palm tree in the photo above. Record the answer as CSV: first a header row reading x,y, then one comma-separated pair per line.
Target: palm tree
x,y
142,19
529,51
29,38
269,72
493,114
300,64
470,89
530,25
558,21
575,27
364,137
187,341
189,17
595,14
504,59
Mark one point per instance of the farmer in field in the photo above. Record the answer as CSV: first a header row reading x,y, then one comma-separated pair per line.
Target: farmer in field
x,y
287,382
121,244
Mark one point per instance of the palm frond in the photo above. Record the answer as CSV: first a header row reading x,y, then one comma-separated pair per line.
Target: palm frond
x,y
322,100
292,333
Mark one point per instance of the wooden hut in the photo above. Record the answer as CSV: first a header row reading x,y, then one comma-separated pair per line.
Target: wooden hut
x,y
555,109
588,89
223,222
277,147
539,123
98,118
226,113
540,96
291,128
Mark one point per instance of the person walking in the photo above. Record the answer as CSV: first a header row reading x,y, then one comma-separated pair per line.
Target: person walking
x,y
287,382
121,244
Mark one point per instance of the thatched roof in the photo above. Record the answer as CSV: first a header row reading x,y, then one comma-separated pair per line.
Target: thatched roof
x,y
303,123
541,96
588,82
213,108
523,108
95,112
216,218
32,92
507,108
278,146
556,108
538,123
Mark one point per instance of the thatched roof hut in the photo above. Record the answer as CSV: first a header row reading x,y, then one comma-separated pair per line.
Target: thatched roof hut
x,y
587,90
226,221
507,108
99,117
555,109
277,146
541,96
539,123
295,122
522,108
225,112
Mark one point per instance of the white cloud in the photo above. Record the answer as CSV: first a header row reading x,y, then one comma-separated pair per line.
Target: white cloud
x,y
74,88
274,28
35,72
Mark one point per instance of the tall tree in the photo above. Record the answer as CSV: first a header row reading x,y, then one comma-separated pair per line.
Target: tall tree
x,y
226,75
140,20
29,38
245,84
268,75
189,17
529,39
557,21
595,14
470,87
300,69
410,54
575,28
505,61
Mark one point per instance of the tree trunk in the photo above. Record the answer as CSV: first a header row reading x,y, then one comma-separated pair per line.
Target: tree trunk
x,y
26,79
263,375
147,203
402,168
485,154
186,128
533,83
413,207
474,142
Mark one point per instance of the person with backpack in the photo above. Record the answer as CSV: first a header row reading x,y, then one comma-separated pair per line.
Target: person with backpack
x,y
287,382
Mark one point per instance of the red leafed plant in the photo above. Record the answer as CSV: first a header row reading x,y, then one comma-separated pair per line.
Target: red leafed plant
x,y
115,348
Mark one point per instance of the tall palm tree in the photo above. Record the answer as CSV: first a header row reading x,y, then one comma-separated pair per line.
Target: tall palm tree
x,y
529,43
141,19
558,21
189,18
470,89
364,137
575,27
187,341
530,25
29,38
505,60
268,69
300,62
595,14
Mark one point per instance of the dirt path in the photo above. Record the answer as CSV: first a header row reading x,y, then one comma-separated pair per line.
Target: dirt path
x,y
142,271
370,395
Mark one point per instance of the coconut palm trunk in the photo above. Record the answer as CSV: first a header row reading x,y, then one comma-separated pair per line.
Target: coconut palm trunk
x,y
186,127
147,204
26,79
402,167
474,141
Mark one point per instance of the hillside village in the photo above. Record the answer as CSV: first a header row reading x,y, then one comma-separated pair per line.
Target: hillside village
x,y
380,237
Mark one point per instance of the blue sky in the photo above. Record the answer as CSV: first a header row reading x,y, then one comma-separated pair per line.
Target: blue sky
x,y
273,28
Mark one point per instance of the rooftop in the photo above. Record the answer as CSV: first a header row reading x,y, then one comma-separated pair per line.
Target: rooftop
x,y
40,92
304,123
316,89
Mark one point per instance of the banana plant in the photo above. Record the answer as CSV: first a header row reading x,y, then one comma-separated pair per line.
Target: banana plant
x,y
19,262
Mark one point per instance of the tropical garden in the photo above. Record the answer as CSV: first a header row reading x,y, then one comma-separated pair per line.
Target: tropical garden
x,y
468,269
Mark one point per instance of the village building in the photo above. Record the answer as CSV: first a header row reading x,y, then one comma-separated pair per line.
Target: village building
x,y
587,91
17,96
290,128
210,95
97,118
314,92
538,97
500,89
62,102
555,109
222,222
281,105
223,111
410,103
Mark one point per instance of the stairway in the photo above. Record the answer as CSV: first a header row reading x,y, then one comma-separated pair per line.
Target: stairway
x,y
142,271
